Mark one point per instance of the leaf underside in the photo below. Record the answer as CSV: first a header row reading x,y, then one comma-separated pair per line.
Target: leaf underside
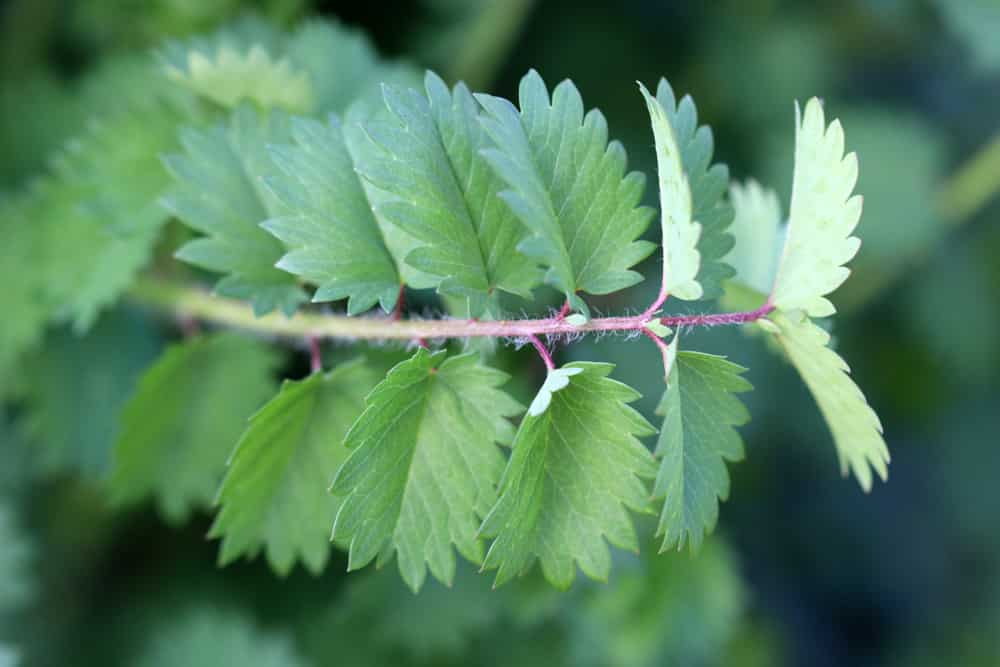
x,y
822,216
857,431
680,232
708,183
758,232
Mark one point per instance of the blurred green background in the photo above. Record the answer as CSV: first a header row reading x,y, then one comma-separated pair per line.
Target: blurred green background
x,y
804,568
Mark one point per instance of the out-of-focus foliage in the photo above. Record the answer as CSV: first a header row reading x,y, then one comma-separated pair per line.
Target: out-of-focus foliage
x,y
808,572
213,636
275,493
76,389
178,427
975,22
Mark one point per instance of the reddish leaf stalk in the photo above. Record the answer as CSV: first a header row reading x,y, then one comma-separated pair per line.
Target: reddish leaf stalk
x,y
543,352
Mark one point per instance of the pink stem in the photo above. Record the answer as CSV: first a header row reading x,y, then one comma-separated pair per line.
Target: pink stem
x,y
564,311
717,319
397,311
190,326
193,304
663,347
542,352
661,298
315,355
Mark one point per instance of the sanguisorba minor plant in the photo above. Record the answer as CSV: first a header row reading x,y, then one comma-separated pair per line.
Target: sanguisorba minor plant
x,y
308,170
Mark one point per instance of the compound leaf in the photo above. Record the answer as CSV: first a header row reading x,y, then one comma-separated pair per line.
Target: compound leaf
x,y
328,225
708,183
699,409
679,231
424,465
822,216
576,466
275,493
219,191
568,186
857,431
427,155
185,418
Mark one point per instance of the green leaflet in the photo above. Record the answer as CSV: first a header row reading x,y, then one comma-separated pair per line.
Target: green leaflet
x,y
106,217
240,62
275,493
758,232
229,77
75,387
343,65
116,168
568,186
699,409
574,469
399,242
680,233
219,191
213,636
424,465
75,238
427,156
857,431
822,216
77,242
708,183
328,225
86,265
185,418
321,67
